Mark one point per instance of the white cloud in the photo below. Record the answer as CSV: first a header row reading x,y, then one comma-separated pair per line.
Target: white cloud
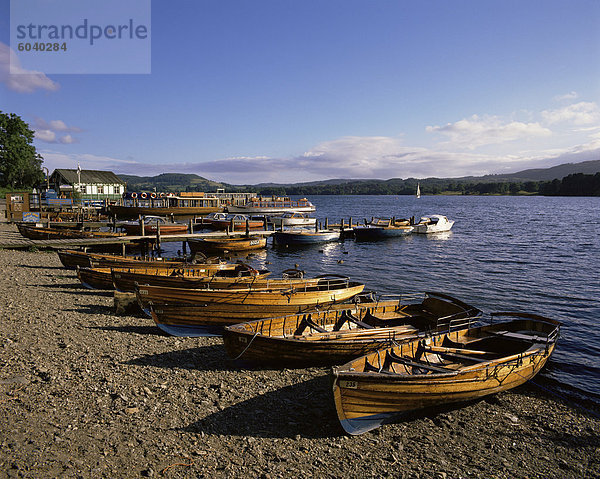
x,y
478,131
19,79
582,113
567,97
67,140
55,125
47,136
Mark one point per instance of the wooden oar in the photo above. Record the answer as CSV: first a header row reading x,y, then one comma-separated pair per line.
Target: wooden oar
x,y
441,349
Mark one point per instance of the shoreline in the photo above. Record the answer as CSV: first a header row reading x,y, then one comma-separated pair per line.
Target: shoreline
x,y
86,393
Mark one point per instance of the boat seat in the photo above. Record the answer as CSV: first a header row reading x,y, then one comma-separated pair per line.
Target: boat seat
x,y
369,368
521,336
392,357
307,322
348,317
450,354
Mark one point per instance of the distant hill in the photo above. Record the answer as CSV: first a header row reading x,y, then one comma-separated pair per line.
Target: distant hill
x,y
176,182
171,182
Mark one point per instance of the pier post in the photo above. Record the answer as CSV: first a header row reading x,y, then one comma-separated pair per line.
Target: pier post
x,y
157,234
141,221
350,223
326,223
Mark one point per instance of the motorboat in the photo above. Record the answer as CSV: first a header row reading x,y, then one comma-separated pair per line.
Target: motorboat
x,y
433,224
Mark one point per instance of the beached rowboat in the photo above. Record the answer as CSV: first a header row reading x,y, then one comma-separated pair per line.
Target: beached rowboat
x,y
191,276
334,336
202,312
71,259
442,369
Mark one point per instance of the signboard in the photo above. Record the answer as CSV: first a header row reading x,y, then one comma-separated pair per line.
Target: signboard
x,y
31,217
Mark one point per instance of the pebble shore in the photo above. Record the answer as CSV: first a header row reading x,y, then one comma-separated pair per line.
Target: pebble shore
x,y
86,393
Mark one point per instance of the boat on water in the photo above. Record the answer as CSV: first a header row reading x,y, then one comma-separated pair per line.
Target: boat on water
x,y
337,335
441,369
418,193
71,259
227,244
273,205
151,226
43,233
305,236
381,228
191,276
293,219
433,224
238,222
205,312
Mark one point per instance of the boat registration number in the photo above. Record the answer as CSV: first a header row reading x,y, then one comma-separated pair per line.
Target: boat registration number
x,y
243,340
143,291
348,384
253,242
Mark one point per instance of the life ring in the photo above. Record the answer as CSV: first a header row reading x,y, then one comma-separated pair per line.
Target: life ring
x,y
134,195
162,195
144,196
152,195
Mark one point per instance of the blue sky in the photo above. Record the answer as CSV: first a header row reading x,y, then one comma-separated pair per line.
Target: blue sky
x,y
290,91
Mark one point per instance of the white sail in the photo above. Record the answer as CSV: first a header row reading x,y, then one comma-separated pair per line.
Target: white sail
x,y
418,195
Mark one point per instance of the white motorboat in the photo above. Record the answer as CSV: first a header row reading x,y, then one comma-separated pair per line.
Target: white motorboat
x,y
433,224
293,219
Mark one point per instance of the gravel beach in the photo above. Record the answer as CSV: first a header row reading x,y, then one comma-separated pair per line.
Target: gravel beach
x,y
86,393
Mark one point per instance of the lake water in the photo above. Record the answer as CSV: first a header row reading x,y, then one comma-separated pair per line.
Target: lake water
x,y
530,254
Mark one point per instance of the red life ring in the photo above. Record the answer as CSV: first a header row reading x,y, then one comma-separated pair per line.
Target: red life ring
x,y
134,195
162,195
144,196
152,195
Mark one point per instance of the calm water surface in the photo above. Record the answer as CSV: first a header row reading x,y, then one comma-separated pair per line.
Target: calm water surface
x,y
529,254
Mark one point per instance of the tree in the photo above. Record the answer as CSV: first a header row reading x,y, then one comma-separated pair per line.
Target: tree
x,y
20,164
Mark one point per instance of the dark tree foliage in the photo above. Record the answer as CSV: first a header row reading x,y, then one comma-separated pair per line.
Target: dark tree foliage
x,y
20,164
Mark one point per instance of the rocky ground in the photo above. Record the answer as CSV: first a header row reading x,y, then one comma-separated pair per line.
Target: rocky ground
x,y
86,393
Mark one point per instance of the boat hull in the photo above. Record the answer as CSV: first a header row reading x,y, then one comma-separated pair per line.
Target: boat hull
x,y
228,244
296,238
365,397
135,211
380,232
337,335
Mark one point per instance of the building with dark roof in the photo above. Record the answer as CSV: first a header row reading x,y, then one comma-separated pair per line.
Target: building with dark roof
x,y
87,184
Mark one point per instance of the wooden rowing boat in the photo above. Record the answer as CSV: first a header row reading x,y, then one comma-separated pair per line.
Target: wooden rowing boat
x,y
335,336
441,369
125,279
204,312
303,237
71,259
231,243
34,233
152,225
191,276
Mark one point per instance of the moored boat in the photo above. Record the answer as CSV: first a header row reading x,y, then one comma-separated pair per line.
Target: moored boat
x,y
273,205
43,233
337,335
381,228
226,244
152,225
441,369
305,236
433,224
237,222
293,219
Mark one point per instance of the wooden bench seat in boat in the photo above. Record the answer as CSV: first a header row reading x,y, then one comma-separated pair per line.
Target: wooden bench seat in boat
x,y
521,336
307,322
348,317
392,357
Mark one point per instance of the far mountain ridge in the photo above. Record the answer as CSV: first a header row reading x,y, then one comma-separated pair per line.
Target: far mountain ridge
x,y
176,182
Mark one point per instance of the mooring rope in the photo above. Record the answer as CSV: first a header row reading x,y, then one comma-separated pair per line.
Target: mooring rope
x,y
246,348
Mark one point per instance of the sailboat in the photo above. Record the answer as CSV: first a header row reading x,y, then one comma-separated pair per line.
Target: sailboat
x,y
418,195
